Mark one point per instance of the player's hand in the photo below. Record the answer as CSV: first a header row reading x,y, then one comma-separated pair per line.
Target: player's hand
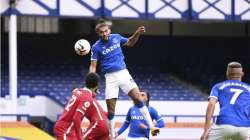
x,y
141,29
204,136
154,131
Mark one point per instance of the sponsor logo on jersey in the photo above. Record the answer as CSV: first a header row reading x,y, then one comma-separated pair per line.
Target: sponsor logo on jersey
x,y
135,117
111,48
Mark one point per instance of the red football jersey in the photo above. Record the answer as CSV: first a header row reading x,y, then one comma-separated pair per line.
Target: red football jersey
x,y
89,106
84,102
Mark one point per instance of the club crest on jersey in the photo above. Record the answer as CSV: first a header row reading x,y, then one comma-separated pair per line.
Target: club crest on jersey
x,y
86,104
115,41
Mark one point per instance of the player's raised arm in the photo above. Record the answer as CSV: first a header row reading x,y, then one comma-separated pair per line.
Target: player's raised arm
x,y
134,38
93,60
92,67
209,115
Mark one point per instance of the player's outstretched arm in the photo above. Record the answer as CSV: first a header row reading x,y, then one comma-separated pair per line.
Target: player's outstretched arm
x,y
157,117
209,115
124,125
122,129
160,123
92,67
134,38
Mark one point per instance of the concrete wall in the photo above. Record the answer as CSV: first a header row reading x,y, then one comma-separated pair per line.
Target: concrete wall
x,y
44,106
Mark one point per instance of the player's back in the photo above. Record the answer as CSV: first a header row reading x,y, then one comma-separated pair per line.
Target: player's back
x,y
234,100
93,111
66,118
72,104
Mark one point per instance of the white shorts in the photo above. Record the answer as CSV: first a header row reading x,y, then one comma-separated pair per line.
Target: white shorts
x,y
219,132
119,79
140,138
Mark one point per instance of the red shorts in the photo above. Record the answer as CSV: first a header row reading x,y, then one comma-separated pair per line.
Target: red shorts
x,y
98,130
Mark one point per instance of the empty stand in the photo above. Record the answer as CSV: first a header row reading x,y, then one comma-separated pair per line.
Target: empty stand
x,y
57,83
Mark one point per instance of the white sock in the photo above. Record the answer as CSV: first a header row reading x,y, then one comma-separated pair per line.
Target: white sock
x,y
144,111
112,126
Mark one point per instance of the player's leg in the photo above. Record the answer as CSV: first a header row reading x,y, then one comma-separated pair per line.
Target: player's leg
x,y
111,103
111,95
220,132
128,85
244,132
215,133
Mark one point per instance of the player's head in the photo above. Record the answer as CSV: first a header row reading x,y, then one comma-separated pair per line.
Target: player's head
x,y
145,97
92,81
103,30
234,71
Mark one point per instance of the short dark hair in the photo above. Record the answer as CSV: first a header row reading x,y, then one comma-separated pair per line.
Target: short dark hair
x,y
92,80
234,65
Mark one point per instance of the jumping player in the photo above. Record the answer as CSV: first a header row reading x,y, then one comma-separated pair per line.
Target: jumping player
x,y
107,51
139,129
234,99
83,104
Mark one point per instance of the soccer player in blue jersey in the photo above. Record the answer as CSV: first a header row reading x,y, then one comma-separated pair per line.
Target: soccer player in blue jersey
x,y
107,51
234,99
139,129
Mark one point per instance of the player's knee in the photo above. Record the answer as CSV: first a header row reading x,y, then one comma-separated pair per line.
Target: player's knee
x,y
111,103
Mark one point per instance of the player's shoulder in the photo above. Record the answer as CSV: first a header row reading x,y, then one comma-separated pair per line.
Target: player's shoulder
x,y
82,92
246,84
151,109
217,85
115,35
96,44
133,109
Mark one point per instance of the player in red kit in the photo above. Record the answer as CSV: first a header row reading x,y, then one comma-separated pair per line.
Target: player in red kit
x,y
83,104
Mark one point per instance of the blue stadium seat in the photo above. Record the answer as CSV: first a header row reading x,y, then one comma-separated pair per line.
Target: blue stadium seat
x,y
57,83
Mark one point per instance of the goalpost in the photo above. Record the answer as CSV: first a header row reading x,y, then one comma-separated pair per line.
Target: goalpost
x,y
13,60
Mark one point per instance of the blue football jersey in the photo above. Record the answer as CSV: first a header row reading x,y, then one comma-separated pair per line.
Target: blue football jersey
x,y
109,53
134,118
234,99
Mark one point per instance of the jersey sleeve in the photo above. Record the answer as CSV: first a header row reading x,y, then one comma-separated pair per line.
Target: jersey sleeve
x,y
94,53
125,124
157,117
123,40
214,92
